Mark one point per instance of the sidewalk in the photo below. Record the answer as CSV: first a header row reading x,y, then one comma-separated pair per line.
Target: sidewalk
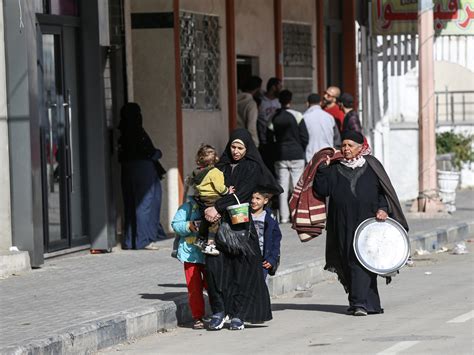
x,y
83,303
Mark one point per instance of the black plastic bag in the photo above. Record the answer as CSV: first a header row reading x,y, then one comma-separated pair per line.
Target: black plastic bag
x,y
234,239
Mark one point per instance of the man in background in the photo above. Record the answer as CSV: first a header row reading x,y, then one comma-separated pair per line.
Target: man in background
x,y
321,127
247,110
267,109
331,106
288,131
351,118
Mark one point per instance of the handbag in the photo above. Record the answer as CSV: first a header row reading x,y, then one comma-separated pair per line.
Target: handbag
x,y
234,239
160,171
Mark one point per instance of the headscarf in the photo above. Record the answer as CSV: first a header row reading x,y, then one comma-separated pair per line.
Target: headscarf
x,y
130,117
359,160
134,142
267,181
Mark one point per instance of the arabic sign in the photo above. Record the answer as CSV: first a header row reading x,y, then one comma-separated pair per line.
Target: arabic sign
x,y
450,17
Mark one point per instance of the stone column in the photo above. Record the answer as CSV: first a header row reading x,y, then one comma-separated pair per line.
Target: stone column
x,y
427,198
5,206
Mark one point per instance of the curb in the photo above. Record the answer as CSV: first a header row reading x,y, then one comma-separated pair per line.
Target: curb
x,y
129,325
434,240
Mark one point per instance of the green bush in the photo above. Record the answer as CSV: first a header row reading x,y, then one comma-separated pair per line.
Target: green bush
x,y
457,143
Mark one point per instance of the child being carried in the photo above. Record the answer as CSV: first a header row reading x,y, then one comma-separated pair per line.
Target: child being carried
x,y
209,186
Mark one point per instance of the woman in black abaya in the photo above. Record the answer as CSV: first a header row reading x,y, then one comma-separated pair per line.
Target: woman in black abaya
x,y
358,188
236,285
141,186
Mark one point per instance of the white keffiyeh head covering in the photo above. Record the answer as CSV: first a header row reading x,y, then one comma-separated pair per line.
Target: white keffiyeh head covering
x,y
359,160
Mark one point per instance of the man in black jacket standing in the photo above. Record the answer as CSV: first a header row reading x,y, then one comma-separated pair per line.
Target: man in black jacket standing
x,y
289,135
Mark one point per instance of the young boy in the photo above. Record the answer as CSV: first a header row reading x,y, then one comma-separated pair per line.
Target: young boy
x,y
268,230
185,225
209,186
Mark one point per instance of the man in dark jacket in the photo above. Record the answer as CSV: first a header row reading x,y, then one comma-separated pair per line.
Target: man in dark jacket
x,y
289,135
351,117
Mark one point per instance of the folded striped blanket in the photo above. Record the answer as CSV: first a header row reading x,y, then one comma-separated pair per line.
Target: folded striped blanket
x,y
308,212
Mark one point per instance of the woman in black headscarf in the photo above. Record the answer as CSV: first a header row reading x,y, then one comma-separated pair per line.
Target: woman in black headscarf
x,y
141,186
235,279
358,188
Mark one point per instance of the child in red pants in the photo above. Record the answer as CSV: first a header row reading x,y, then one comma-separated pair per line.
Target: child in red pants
x,y
186,225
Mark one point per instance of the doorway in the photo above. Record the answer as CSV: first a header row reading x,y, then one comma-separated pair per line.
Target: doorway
x,y
246,67
60,137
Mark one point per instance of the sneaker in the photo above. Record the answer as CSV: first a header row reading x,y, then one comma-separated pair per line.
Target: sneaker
x,y
236,324
198,324
358,311
217,321
211,249
201,244
152,246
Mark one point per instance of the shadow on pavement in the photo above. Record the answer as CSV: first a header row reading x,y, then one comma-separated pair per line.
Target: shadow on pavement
x,y
172,285
330,308
167,296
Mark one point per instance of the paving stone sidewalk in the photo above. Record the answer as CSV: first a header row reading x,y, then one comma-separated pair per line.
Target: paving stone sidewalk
x,y
73,290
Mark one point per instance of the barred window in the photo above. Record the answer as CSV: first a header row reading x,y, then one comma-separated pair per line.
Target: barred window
x,y
199,42
298,62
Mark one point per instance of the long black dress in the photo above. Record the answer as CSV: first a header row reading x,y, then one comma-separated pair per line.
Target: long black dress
x,y
235,282
140,178
354,195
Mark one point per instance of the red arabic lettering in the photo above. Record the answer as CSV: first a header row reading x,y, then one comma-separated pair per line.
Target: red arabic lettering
x,y
470,16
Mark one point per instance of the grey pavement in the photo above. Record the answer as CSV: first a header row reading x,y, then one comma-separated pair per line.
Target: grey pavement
x,y
94,301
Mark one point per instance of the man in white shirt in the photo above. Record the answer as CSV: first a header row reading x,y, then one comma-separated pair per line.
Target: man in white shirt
x,y
321,127
268,107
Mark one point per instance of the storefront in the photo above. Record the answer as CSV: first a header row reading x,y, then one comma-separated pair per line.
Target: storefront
x,y
59,66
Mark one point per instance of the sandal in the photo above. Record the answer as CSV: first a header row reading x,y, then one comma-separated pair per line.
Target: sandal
x,y
198,324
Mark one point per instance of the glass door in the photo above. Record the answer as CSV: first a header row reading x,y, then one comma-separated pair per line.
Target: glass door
x,y
60,136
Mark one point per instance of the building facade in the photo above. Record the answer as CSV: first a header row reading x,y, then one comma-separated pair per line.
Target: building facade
x,y
69,65
59,67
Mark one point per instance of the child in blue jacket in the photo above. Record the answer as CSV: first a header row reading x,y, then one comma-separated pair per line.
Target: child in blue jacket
x,y
268,230
186,225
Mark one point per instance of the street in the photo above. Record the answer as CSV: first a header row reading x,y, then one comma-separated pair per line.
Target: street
x,y
428,310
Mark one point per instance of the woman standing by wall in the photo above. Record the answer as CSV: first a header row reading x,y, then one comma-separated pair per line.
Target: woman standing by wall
x,y
141,186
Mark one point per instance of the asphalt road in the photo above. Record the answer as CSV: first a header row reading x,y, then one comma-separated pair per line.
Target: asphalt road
x,y
429,309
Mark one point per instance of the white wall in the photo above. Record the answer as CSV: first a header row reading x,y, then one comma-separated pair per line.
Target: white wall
x,y
401,116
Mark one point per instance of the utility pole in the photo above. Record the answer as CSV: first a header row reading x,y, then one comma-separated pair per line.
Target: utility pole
x,y
428,200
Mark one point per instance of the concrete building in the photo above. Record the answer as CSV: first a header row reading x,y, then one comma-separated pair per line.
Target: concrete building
x,y
61,83
185,60
69,65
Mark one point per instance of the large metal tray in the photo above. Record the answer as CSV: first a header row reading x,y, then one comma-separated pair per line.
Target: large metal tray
x,y
381,247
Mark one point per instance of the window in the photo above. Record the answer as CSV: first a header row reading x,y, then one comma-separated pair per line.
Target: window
x,y
298,62
199,42
61,7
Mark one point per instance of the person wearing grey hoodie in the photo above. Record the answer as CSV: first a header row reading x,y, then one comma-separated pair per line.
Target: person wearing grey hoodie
x,y
247,110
